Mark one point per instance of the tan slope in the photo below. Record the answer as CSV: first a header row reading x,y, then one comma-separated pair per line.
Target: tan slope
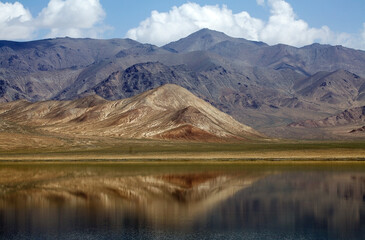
x,y
168,112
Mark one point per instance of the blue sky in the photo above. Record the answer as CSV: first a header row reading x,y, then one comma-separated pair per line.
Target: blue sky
x,y
290,22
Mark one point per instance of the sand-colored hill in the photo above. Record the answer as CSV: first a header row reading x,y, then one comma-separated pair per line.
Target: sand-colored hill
x,y
167,112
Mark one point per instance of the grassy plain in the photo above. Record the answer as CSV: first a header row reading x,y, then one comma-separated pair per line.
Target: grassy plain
x,y
52,148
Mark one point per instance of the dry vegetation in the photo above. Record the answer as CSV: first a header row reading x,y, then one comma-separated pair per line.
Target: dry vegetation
x,y
34,147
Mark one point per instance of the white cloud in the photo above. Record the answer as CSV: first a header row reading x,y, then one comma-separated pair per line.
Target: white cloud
x,y
283,26
15,21
261,2
357,42
73,18
161,28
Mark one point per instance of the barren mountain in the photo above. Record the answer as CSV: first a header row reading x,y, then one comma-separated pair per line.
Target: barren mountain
x,y
347,124
38,70
347,117
258,84
167,112
145,76
340,88
306,60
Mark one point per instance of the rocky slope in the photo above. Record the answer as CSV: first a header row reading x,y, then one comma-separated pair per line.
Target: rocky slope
x,y
259,85
347,124
340,88
358,130
347,117
167,112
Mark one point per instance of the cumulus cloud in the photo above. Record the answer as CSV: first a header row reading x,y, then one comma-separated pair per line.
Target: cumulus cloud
x,y
15,21
161,28
283,26
73,18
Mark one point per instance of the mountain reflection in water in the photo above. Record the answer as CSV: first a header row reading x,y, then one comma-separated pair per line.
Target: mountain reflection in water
x,y
47,201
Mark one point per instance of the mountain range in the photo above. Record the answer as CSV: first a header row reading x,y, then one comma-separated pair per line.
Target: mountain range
x,y
266,87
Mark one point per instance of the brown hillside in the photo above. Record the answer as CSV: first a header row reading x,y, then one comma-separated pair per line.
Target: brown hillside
x,y
167,112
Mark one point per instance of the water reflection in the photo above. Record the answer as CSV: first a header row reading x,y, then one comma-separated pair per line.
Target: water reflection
x,y
329,202
145,201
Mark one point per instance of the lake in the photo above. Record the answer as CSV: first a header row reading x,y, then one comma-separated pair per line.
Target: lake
x,y
159,200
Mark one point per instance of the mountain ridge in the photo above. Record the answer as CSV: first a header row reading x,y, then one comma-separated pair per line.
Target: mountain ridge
x,y
258,84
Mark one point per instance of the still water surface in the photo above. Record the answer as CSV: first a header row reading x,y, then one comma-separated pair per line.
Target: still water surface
x,y
182,201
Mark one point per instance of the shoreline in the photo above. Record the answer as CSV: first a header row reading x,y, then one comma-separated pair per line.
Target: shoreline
x,y
268,156
154,151
299,161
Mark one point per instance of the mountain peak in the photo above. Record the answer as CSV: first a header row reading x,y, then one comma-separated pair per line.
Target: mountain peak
x,y
170,87
205,40
207,31
198,41
168,96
